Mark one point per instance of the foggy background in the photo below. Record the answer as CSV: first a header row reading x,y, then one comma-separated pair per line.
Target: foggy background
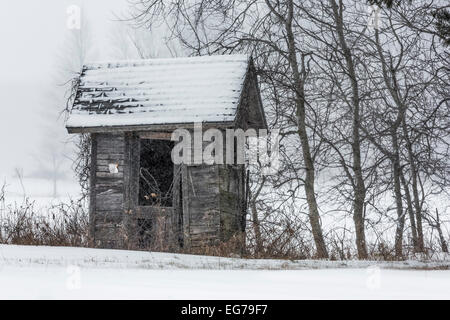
x,y
39,55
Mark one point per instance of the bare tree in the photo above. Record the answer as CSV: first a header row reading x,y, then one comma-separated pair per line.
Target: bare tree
x,y
138,42
362,110
267,29
77,49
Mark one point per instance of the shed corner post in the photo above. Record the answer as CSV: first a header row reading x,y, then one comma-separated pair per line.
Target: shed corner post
x,y
130,188
185,208
92,190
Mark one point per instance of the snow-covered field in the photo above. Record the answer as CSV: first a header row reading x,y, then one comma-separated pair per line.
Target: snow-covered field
x,y
38,190
79,273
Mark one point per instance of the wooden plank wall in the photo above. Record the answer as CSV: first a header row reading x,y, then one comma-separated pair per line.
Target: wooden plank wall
x,y
208,199
201,206
231,202
108,191
131,188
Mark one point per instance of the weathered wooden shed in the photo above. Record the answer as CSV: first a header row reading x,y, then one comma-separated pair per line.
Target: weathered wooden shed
x,y
138,197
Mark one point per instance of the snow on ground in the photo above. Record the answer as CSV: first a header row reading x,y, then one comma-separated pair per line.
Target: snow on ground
x,y
80,273
39,190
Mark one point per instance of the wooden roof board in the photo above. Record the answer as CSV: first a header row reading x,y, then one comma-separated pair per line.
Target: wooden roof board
x,y
159,92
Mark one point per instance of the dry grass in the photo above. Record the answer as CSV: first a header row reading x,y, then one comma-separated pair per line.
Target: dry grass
x,y
64,224
67,224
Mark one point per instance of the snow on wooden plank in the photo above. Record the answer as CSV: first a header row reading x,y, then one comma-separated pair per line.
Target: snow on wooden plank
x,y
159,91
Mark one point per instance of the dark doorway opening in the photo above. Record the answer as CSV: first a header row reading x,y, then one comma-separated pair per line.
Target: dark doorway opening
x,y
156,173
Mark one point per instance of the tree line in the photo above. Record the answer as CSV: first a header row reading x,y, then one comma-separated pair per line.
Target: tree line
x,y
360,93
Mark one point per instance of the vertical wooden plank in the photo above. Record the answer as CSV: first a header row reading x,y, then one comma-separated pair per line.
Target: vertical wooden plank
x,y
127,174
131,186
127,207
244,196
177,225
135,154
109,190
134,179
175,198
186,205
92,188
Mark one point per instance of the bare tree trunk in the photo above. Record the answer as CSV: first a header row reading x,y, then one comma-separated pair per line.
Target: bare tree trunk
x,y
314,217
417,207
256,224
359,187
256,229
55,186
410,211
398,196
441,235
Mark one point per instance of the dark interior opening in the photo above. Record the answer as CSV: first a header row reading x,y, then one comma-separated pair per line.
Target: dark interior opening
x,y
156,173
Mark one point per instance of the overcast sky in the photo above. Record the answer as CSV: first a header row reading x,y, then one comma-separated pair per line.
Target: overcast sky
x,y
32,35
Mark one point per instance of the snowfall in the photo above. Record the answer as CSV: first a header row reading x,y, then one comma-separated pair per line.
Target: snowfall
x,y
29,272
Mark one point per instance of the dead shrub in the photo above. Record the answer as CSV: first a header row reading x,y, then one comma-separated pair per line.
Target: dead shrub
x,y
64,224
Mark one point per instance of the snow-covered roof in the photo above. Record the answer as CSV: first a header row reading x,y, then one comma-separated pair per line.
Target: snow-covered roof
x,y
159,91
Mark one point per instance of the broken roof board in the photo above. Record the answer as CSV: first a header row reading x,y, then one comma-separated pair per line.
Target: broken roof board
x,y
159,91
